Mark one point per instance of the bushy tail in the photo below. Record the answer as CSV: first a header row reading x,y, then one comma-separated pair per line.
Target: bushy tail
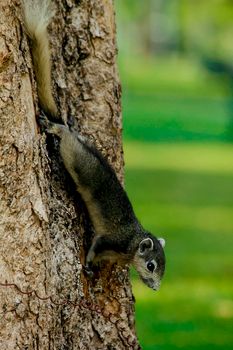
x,y
37,16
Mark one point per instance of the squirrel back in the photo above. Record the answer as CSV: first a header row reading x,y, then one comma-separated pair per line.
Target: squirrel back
x,y
37,16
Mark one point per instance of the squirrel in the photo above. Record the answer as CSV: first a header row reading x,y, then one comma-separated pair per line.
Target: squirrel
x,y
119,237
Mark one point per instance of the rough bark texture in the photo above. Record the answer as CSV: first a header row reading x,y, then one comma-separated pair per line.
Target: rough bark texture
x,y
44,227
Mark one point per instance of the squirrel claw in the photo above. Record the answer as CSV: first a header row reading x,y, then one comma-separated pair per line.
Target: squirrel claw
x,y
44,123
88,270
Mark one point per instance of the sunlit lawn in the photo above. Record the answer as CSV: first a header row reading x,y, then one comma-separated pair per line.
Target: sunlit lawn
x,y
184,192
156,117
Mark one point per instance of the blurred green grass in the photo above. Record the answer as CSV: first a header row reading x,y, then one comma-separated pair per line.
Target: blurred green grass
x,y
170,75
184,192
173,98
179,177
167,118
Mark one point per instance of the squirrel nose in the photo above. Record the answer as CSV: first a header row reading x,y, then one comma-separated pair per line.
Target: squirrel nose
x,y
156,286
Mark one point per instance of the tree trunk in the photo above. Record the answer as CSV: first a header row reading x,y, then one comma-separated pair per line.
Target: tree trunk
x,y
46,301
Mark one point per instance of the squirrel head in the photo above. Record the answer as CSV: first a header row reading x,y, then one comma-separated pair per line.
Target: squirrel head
x,y
149,261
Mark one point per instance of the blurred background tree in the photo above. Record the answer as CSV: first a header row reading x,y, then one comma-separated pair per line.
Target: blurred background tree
x,y
188,40
176,66
182,26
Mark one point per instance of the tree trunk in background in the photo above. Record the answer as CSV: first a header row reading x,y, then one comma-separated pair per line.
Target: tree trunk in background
x,y
44,227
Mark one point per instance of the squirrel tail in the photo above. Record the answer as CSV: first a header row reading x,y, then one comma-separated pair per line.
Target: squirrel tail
x,y
37,16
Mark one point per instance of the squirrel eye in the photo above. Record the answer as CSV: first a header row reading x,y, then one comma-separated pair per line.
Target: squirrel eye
x,y
150,266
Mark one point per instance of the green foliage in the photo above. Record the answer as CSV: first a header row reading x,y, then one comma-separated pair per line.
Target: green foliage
x,y
129,9
208,28
200,27
184,192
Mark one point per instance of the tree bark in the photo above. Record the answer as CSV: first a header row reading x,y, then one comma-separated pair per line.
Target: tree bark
x,y
46,301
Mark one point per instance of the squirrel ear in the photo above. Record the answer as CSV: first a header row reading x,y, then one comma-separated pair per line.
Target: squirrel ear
x,y
162,242
145,245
